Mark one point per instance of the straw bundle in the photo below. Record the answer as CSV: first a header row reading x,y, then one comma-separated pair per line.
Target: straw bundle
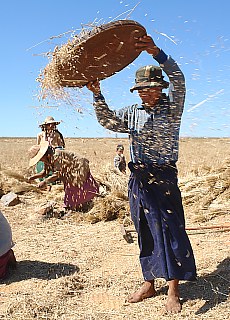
x,y
15,175
205,195
20,186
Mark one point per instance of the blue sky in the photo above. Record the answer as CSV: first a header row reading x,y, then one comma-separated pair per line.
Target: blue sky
x,y
195,33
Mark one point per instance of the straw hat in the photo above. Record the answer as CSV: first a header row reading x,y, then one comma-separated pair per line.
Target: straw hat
x,y
36,152
49,120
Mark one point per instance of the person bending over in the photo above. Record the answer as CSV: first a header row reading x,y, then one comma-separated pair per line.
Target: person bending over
x,y
73,170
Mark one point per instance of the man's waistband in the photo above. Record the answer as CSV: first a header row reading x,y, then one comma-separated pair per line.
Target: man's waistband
x,y
147,172
149,166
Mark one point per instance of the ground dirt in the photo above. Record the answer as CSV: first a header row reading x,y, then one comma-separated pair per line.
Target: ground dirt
x,y
70,268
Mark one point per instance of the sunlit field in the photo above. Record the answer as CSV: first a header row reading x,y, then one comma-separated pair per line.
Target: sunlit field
x,y
196,155
80,266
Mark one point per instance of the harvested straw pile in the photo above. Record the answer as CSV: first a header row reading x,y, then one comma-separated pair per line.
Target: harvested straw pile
x,y
112,180
11,181
109,208
113,202
205,195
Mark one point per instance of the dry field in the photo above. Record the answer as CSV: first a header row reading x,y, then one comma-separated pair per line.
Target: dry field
x,y
70,267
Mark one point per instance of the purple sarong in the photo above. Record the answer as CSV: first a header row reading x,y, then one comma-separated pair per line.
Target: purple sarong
x,y
74,196
6,260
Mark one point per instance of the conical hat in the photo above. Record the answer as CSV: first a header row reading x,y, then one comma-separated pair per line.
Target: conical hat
x,y
36,152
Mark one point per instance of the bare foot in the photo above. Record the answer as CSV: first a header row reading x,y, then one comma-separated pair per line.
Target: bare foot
x,y
146,291
173,304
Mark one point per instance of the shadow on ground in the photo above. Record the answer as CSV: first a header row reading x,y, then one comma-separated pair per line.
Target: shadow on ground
x,y
213,288
28,269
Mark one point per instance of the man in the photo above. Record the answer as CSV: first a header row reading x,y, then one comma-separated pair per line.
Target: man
x,y
155,199
68,167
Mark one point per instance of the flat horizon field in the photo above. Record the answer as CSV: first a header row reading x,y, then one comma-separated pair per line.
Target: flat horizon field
x,y
79,266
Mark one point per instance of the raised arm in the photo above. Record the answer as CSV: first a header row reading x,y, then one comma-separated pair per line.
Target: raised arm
x,y
171,68
109,119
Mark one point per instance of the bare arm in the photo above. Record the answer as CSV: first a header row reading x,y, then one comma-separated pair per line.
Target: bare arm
x,y
39,175
39,138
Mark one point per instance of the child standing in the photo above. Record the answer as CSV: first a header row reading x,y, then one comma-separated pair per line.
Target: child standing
x,y
119,159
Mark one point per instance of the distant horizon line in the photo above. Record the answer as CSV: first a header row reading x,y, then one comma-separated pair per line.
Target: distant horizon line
x,y
182,137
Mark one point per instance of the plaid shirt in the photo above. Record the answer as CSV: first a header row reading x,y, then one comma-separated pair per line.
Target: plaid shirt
x,y
120,162
154,134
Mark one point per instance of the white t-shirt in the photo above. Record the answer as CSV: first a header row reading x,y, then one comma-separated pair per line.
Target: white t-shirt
x,y
6,242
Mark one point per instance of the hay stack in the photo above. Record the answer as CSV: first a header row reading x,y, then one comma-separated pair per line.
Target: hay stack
x,y
208,195
113,202
15,182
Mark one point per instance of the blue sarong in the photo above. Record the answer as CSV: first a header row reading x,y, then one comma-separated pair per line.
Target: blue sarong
x,y
158,215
